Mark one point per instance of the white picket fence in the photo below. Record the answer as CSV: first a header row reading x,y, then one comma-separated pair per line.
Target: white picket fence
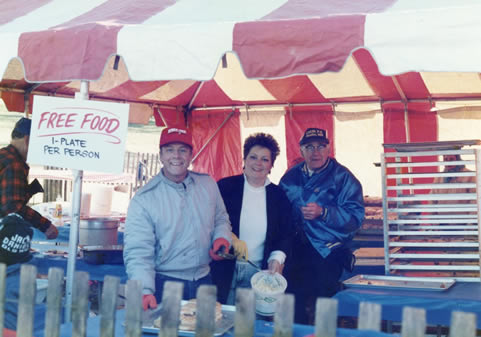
x,y
413,322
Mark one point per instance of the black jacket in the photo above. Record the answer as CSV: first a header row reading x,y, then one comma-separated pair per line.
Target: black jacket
x,y
279,230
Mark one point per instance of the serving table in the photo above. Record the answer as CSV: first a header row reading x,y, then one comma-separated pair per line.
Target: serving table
x,y
462,296
44,257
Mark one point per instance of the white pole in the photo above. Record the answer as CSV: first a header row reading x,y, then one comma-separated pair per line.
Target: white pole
x,y
478,193
75,220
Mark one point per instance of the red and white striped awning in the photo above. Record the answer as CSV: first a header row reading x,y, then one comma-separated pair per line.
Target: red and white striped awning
x,y
171,52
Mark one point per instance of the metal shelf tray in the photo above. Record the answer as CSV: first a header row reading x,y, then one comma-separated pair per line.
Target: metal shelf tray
x,y
399,282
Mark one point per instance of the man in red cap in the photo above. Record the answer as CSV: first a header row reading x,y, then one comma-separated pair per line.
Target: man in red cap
x,y
15,191
175,223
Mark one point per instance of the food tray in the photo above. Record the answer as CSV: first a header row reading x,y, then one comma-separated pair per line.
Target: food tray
x,y
221,327
110,254
399,282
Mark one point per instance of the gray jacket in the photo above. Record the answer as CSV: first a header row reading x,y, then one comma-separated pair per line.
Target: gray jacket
x,y
170,228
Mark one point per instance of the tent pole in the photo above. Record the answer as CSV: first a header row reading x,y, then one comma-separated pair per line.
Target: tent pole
x,y
294,105
75,220
189,106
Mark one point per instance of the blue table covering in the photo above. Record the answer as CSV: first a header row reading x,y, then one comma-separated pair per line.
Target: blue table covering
x,y
262,328
44,262
97,272
462,296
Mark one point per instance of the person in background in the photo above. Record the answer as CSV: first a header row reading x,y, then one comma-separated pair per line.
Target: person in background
x,y
15,191
450,180
454,180
175,224
142,170
259,212
15,238
327,209
453,190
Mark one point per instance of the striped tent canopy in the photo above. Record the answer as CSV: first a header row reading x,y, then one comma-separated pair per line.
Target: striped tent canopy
x,y
225,65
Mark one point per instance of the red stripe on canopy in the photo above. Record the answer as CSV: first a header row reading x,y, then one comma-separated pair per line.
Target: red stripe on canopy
x,y
14,101
297,123
211,93
133,89
170,116
297,46
423,123
383,86
297,89
423,127
413,86
223,156
394,132
394,123
12,10
76,45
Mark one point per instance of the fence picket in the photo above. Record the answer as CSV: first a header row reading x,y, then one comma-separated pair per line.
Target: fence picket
x,y
245,313
413,322
171,298
369,316
284,316
326,317
206,301
80,304
108,305
54,302
133,311
26,301
463,324
3,282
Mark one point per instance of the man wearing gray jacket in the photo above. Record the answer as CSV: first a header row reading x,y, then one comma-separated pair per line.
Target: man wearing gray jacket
x,y
175,224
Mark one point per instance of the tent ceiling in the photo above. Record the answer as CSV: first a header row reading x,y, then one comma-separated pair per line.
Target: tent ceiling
x,y
358,81
188,54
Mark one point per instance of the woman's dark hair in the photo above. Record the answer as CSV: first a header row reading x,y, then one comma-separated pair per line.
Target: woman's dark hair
x,y
263,140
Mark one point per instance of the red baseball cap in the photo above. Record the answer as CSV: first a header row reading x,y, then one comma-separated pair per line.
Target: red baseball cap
x,y
176,135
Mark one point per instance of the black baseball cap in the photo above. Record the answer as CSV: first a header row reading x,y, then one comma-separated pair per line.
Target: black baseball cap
x,y
23,126
314,134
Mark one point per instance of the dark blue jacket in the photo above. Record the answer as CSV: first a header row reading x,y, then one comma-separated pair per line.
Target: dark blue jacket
x,y
337,190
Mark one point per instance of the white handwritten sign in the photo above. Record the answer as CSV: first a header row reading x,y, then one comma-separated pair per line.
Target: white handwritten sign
x,y
78,134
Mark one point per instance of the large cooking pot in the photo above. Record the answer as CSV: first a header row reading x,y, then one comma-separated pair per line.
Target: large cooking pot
x,y
98,231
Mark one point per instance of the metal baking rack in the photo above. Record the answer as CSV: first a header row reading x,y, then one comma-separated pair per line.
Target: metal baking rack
x,y
430,223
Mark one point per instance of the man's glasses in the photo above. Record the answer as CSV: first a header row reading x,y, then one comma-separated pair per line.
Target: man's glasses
x,y
311,148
